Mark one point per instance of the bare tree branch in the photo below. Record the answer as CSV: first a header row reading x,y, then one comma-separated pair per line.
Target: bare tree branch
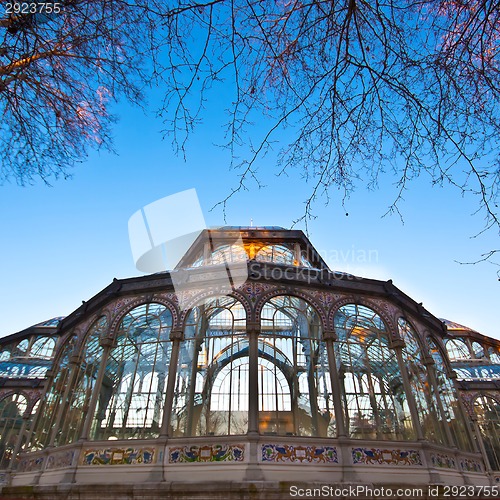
x,y
364,89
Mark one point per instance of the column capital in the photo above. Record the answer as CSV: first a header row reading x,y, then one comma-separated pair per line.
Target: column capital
x,y
428,360
76,359
176,335
329,335
106,342
253,326
397,344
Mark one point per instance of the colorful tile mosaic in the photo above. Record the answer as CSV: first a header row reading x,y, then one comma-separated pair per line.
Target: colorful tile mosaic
x,y
60,460
469,465
291,453
325,298
30,464
118,456
254,290
443,461
207,453
370,456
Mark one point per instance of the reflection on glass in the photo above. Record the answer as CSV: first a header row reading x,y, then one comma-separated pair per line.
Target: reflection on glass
x,y
375,401
457,349
449,399
429,415
12,409
132,394
211,388
488,418
295,395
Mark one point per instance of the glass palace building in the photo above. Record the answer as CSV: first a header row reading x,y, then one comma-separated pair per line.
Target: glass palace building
x,y
299,375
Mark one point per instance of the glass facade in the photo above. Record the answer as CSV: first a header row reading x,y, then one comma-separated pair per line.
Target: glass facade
x,y
300,365
379,380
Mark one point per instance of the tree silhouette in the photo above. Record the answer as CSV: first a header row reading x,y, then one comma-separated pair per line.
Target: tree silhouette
x,y
365,88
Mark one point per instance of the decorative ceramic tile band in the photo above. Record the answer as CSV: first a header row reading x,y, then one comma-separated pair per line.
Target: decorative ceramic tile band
x,y
302,454
207,453
469,465
443,461
60,460
371,456
118,456
30,464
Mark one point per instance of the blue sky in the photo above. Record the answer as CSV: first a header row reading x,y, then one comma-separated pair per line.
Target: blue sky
x,y
63,244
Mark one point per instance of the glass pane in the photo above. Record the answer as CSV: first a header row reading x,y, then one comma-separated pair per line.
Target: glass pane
x,y
430,417
12,409
488,419
449,400
83,385
457,349
478,350
295,396
375,402
132,394
53,399
43,348
211,388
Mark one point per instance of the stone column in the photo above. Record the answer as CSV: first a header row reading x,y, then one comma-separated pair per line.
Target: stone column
x,y
329,337
176,336
253,473
253,332
398,348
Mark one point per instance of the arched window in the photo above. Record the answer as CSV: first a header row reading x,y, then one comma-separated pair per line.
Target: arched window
x,y
494,355
478,350
221,255
43,348
429,414
211,388
449,399
488,418
12,409
20,351
5,354
132,395
83,383
457,349
375,401
228,253
278,254
295,396
53,398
